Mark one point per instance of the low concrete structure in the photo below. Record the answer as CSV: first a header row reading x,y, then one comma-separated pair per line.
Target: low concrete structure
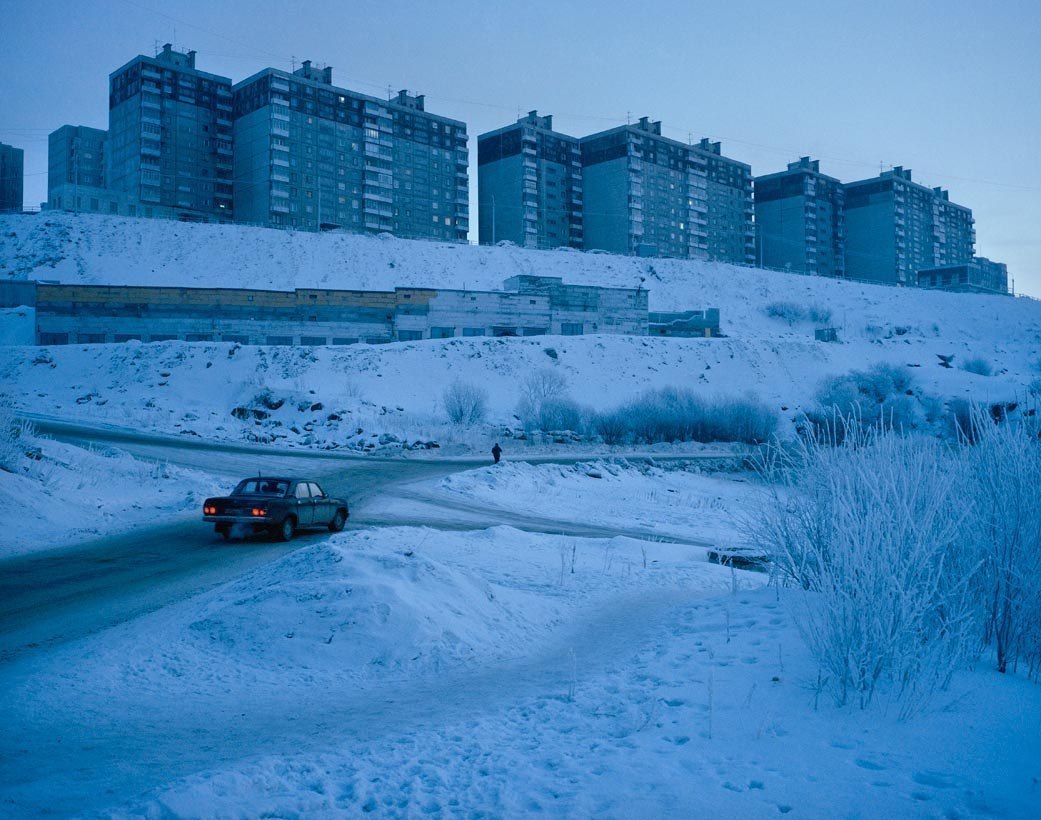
x,y
980,275
528,306
686,323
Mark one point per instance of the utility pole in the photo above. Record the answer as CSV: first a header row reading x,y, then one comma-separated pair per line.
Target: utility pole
x,y
493,219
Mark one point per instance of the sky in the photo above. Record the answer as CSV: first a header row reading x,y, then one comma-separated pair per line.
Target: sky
x,y
951,91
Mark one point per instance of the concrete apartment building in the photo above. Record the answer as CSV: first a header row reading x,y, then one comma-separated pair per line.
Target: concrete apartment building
x,y
529,183
800,220
76,175
731,228
12,178
627,190
644,194
979,275
896,227
169,147
311,155
527,306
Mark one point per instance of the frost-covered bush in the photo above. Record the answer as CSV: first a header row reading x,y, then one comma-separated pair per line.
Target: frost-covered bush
x,y
792,312
538,388
1005,465
673,414
15,439
612,426
560,414
981,367
465,403
868,534
883,396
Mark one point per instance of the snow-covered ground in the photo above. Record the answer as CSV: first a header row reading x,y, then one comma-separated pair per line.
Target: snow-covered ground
x,y
66,494
397,389
406,671
409,671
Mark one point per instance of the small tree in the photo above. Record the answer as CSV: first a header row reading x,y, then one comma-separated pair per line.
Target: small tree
x,y
538,388
465,403
14,438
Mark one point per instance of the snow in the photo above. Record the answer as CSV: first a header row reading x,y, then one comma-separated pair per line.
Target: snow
x,y
406,671
69,494
403,671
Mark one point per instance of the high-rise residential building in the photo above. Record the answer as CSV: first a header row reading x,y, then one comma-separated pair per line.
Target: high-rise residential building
x,y
800,220
644,193
529,185
896,227
76,176
731,229
311,155
12,178
169,148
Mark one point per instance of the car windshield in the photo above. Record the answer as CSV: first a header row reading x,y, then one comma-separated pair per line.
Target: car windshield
x,y
262,486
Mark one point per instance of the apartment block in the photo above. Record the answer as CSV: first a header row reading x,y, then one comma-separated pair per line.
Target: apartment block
x,y
529,183
311,155
800,220
730,228
979,275
644,194
169,147
76,176
896,227
12,178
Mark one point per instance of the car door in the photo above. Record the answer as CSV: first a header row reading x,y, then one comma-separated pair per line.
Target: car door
x,y
323,506
304,505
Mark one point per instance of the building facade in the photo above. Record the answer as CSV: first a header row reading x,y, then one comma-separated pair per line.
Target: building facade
x,y
644,194
896,227
311,155
12,178
729,212
76,175
529,183
169,147
800,220
527,306
979,275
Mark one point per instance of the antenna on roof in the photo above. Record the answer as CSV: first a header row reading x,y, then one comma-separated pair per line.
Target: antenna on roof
x,y
293,62
628,117
155,48
390,91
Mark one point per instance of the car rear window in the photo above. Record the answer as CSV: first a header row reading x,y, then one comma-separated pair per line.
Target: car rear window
x,y
261,486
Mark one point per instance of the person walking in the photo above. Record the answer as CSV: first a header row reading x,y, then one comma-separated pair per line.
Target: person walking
x,y
496,452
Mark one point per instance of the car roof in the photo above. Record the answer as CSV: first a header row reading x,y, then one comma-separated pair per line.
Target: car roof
x,y
278,478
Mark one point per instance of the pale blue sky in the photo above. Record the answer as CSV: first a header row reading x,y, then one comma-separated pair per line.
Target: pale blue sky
x,y
951,90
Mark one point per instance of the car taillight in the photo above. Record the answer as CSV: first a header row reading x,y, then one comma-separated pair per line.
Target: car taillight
x,y
257,511
209,510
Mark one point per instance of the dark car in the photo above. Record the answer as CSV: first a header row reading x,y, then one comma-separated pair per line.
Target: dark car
x,y
279,506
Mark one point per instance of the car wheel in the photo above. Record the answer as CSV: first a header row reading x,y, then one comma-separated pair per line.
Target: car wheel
x,y
224,532
286,529
338,521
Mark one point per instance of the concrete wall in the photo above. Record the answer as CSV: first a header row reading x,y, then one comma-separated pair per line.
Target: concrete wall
x,y
102,313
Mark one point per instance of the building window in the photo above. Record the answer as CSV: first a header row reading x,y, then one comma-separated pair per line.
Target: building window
x,y
410,335
442,332
313,341
279,340
473,331
571,329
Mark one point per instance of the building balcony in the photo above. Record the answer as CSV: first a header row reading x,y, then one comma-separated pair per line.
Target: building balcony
x,y
150,73
280,85
277,192
279,176
150,102
280,162
377,197
279,207
276,146
150,150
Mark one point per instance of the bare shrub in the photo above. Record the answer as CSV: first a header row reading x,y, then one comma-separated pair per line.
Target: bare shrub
x,y
867,533
465,403
612,426
1005,465
792,312
539,387
560,414
981,367
883,395
15,438
673,414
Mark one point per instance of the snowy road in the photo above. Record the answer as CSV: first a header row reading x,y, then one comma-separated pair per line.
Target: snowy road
x,y
51,598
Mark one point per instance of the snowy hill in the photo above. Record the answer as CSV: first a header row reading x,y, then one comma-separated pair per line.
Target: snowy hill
x,y
769,318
